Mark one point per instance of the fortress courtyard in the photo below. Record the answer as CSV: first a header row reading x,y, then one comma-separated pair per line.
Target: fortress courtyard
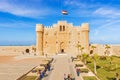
x,y
15,66
12,67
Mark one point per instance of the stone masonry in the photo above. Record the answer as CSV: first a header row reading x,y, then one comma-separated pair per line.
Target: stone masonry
x,y
62,37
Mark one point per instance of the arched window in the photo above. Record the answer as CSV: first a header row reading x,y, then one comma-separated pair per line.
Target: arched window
x,y
60,28
63,28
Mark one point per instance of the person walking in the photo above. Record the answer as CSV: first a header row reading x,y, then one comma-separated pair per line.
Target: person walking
x,y
72,59
68,78
40,75
48,66
65,77
77,71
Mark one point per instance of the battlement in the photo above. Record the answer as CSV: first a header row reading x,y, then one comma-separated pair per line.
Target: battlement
x,y
62,22
85,26
39,27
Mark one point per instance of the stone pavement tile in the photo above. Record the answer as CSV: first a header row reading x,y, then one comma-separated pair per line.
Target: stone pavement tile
x,y
63,65
15,69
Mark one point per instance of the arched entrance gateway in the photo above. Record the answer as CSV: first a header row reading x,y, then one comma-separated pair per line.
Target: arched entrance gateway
x,y
62,47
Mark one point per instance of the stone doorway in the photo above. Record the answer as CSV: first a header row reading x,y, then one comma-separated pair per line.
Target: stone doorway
x,y
62,47
62,50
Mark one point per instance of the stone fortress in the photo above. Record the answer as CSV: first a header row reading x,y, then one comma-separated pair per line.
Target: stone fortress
x,y
62,37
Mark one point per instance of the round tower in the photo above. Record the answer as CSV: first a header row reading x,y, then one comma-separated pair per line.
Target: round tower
x,y
85,36
39,38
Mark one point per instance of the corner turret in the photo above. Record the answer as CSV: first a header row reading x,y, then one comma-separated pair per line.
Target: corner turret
x,y
39,27
85,27
39,39
85,36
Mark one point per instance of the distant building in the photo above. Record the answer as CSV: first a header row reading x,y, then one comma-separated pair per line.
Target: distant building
x,y
62,37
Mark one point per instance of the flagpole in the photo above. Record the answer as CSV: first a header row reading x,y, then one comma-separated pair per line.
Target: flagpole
x,y
61,14
62,17
61,11
64,12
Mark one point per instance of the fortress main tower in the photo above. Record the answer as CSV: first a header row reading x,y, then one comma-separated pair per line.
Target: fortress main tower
x,y
62,37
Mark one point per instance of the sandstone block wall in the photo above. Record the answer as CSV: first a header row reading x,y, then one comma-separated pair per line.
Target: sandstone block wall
x,y
62,38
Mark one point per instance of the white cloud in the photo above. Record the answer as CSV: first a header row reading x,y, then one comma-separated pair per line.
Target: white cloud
x,y
74,3
107,12
20,10
111,24
18,24
107,32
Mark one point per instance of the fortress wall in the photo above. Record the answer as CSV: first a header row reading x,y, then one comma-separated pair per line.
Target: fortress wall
x,y
64,36
100,49
13,50
116,49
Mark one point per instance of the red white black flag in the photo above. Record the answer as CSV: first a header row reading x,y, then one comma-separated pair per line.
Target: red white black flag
x,y
64,12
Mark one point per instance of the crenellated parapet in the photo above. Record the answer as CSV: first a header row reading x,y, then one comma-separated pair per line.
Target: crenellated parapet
x,y
39,27
85,27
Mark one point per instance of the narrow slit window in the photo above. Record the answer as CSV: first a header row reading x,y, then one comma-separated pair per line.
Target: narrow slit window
x,y
63,28
60,28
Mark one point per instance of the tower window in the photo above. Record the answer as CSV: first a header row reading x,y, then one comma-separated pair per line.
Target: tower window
x,y
63,28
60,28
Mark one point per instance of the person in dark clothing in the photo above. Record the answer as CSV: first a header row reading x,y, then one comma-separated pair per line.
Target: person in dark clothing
x,y
40,76
72,59
68,78
78,71
48,66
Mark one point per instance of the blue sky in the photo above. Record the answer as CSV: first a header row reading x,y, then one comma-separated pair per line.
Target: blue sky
x,y
19,17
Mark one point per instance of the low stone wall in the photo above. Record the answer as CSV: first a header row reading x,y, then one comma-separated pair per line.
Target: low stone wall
x,y
116,50
18,50
13,50
100,49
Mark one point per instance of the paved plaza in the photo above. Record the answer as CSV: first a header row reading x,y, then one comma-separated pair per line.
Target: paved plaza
x,y
21,64
11,70
62,65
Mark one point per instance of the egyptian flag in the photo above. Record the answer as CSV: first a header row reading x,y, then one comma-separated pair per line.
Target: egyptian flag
x,y
64,12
